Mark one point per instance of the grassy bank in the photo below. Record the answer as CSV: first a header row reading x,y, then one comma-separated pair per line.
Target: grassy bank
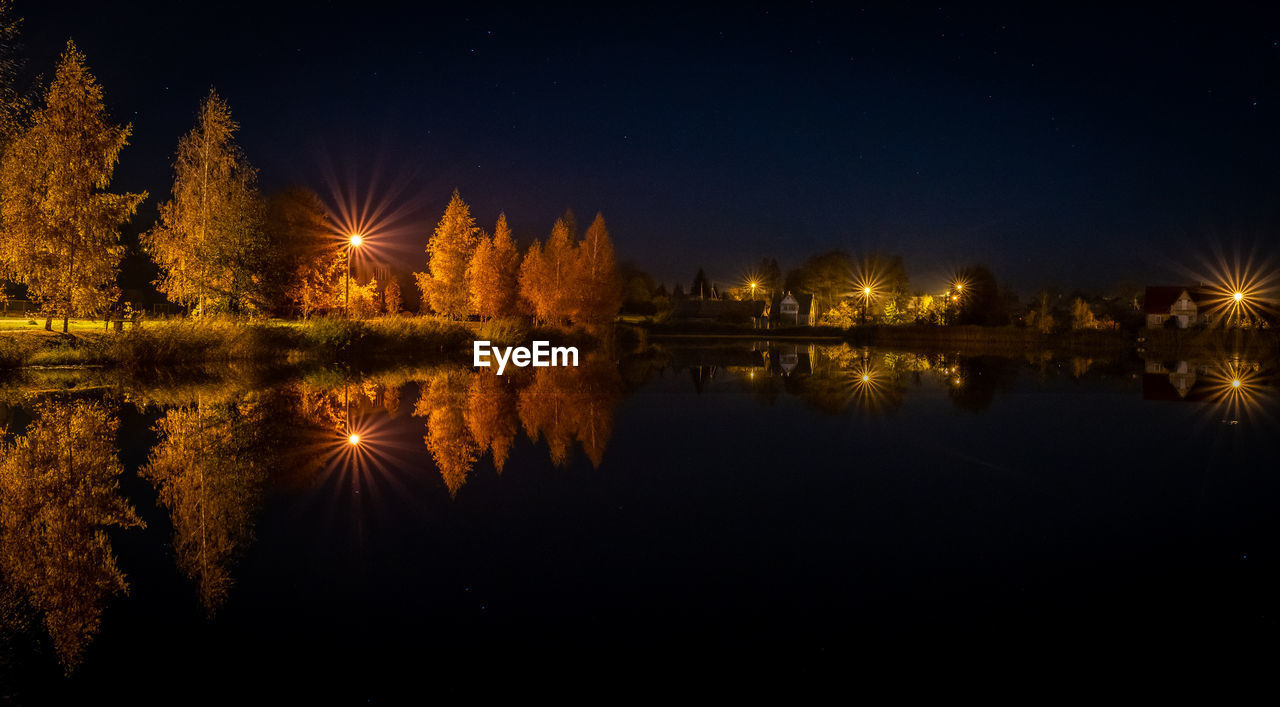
x,y
185,342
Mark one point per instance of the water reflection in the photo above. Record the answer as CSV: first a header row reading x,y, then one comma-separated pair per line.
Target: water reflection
x,y
219,446
209,468
59,495
471,413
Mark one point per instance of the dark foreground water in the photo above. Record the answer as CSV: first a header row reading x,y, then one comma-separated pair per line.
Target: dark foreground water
x,y
722,514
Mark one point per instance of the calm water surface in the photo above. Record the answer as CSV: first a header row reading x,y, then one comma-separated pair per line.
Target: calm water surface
x,y
647,511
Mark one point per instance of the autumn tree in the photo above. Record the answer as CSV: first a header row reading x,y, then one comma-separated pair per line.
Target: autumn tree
x,y
492,276
12,101
599,289
205,475
444,285
533,281
393,300
59,497
208,241
1082,315
61,228
547,273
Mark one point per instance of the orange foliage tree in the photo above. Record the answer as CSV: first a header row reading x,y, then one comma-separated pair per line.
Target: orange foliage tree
x,y
598,286
444,285
492,276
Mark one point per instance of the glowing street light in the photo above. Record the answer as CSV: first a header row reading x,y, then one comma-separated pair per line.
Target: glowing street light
x,y
354,242
353,440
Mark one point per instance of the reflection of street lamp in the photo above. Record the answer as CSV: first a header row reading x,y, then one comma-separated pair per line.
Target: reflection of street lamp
x,y
352,243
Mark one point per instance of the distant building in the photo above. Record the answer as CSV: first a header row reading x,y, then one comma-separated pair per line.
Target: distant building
x,y
1187,306
792,310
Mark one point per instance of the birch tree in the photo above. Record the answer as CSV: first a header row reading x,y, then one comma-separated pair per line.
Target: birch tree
x,y
62,236
210,231
493,272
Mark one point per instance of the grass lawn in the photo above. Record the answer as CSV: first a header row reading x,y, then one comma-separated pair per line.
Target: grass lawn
x,y
17,324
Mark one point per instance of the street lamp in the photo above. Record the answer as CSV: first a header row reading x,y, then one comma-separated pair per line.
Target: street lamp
x,y
866,300
352,243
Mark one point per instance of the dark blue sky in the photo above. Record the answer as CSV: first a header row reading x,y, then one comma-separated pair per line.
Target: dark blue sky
x,y
1065,146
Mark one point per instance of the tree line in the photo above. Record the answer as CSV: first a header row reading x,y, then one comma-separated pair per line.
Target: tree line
x,y
472,272
220,245
874,288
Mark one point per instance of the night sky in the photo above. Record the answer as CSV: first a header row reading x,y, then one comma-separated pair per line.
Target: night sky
x,y
1065,147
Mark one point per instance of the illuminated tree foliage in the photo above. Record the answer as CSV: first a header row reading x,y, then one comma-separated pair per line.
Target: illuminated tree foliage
x,y
359,300
491,414
1082,315
449,442
394,300
12,102
547,275
599,288
205,475
493,274
444,286
58,498
564,404
209,241
61,234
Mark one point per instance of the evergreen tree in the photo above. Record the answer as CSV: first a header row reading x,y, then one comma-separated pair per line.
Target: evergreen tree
x,y
444,285
62,235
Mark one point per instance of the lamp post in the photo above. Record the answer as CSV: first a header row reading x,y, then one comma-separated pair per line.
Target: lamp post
x,y
866,300
352,243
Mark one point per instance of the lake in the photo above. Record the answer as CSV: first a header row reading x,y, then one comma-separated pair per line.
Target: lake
x,y
443,529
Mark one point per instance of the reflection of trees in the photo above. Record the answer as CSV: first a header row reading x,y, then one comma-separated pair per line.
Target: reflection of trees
x,y
845,376
976,379
443,403
471,413
205,471
491,414
58,497
564,404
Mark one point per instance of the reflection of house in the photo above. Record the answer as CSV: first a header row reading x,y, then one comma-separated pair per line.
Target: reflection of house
x,y
792,310
1187,306
1173,381
789,359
